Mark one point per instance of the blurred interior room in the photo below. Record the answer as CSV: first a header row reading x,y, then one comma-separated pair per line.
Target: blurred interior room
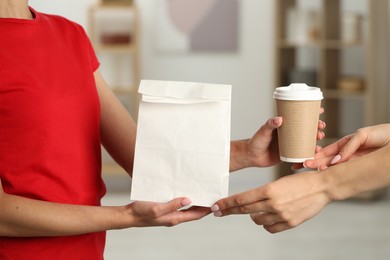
x,y
341,46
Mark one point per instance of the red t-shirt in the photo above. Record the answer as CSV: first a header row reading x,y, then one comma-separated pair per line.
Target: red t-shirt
x,y
49,127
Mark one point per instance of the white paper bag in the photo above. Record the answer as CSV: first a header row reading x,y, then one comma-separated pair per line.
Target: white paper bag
x,y
183,142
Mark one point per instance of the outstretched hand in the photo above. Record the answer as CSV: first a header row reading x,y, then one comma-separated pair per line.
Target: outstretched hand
x,y
363,141
279,205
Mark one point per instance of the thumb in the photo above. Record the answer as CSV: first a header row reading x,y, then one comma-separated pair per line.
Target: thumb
x,y
271,124
174,205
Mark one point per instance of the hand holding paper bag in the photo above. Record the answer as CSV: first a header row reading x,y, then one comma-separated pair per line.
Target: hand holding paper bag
x,y
151,214
183,142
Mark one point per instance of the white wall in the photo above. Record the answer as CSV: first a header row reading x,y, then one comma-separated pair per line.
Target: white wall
x,y
250,71
75,10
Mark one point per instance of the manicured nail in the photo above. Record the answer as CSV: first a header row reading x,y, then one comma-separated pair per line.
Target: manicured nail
x,y
304,165
185,202
336,159
218,214
214,208
276,120
296,166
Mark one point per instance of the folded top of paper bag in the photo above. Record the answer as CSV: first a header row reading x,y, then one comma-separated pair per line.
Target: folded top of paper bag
x,y
183,90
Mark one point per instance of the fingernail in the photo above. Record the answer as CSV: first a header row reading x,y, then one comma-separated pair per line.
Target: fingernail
x,y
304,165
335,159
218,214
276,120
214,208
185,202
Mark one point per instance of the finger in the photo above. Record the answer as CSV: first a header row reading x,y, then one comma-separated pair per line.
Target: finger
x,y
318,149
238,200
322,110
275,122
193,213
178,217
321,125
326,155
273,223
266,218
349,148
320,135
277,227
297,166
318,163
271,124
305,213
266,132
196,212
335,148
197,208
173,205
322,167
259,206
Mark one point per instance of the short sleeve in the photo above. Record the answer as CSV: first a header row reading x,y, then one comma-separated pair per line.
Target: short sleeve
x,y
92,55
94,62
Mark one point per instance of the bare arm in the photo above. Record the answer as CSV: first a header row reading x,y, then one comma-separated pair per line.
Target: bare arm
x,y
22,217
291,200
118,130
365,173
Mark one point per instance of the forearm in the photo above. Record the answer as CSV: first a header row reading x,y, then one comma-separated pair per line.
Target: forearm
x,y
22,217
366,173
118,133
117,128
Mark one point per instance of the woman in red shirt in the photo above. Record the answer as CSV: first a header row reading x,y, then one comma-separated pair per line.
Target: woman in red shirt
x,y
55,112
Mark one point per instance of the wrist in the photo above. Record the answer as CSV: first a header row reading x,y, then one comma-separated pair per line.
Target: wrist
x,y
239,155
327,181
124,217
121,217
338,182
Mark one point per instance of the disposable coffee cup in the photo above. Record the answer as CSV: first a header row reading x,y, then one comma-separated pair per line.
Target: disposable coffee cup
x,y
299,105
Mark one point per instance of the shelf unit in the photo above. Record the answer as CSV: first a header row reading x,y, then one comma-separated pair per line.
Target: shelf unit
x,y
328,48
114,32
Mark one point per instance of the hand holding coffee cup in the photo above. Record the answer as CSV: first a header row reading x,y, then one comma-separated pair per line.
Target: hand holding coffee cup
x,y
299,105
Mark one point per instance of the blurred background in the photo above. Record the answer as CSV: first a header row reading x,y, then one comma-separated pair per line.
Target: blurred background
x,y
341,46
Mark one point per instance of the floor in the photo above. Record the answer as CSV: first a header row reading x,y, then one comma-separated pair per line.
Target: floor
x,y
346,230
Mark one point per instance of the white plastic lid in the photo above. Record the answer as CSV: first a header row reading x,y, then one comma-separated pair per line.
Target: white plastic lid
x,y
298,91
